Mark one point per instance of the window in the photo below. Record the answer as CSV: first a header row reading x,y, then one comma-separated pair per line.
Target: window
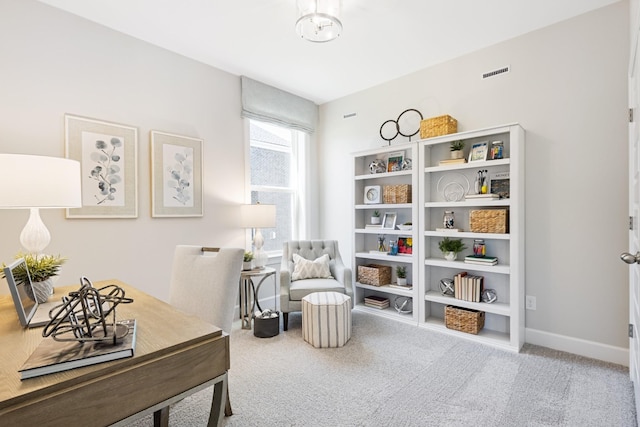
x,y
277,177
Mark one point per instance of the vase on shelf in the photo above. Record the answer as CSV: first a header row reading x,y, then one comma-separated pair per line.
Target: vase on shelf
x,y
450,256
457,154
402,281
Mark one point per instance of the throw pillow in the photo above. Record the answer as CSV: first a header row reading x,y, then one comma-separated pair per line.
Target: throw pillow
x,y
305,269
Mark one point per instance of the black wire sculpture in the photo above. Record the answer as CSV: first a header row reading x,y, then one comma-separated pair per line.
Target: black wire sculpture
x,y
83,314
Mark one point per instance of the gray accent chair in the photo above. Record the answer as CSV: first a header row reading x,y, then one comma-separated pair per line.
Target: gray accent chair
x,y
291,293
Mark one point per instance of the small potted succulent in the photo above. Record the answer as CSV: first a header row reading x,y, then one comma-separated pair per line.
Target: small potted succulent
x,y
457,149
42,268
375,217
401,272
247,260
451,247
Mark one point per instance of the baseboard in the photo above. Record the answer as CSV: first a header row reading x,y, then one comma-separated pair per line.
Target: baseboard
x,y
591,349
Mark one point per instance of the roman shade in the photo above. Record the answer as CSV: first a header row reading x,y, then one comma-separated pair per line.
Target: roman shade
x,y
272,105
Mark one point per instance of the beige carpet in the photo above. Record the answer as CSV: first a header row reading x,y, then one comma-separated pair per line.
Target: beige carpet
x,y
392,374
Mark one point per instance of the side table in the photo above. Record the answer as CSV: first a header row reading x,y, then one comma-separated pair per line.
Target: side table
x,y
247,288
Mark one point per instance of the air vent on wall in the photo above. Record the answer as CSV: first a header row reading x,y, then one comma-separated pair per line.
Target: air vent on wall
x,y
496,72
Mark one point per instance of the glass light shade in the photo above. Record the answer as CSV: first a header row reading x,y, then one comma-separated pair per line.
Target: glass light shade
x,y
258,216
33,182
319,20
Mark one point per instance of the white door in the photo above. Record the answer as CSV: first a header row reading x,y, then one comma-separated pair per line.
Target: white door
x,y
633,256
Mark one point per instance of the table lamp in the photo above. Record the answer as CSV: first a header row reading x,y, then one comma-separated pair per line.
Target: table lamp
x,y
35,182
258,216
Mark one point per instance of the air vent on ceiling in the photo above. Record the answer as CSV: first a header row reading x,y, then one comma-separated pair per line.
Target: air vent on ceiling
x,y
496,72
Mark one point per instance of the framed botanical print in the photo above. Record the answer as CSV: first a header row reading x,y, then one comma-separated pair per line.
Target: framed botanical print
x,y
107,153
176,175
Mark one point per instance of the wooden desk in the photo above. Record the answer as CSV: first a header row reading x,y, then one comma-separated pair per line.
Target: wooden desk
x,y
175,354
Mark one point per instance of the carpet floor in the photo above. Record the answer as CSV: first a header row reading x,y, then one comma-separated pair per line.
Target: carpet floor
x,y
394,374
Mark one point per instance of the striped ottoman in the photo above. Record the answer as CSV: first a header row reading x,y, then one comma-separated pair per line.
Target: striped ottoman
x,y
326,319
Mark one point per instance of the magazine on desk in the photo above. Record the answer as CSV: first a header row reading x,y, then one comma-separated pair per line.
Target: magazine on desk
x,y
56,356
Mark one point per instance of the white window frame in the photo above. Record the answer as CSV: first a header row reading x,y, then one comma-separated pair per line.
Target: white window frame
x,y
299,185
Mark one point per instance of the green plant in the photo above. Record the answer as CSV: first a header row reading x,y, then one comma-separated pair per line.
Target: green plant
x,y
376,214
457,145
401,271
451,245
40,267
248,256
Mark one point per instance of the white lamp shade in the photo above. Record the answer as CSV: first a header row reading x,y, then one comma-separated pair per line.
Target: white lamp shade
x,y
28,181
257,216
33,182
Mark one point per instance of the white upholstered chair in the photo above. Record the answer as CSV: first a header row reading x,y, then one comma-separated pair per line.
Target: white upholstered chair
x,y
204,282
292,291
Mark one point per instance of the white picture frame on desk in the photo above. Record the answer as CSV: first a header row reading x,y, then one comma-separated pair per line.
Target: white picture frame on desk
x,y
479,151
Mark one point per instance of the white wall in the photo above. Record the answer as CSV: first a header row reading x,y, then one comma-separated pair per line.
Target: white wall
x,y
52,63
568,89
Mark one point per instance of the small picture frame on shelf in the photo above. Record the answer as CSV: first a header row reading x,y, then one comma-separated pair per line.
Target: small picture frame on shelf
x,y
479,151
405,246
394,161
499,184
389,220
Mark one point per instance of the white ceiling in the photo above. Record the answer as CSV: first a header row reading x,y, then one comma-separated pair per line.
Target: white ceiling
x,y
381,39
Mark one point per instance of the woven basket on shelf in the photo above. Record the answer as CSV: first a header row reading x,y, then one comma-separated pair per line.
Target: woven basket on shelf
x,y
400,193
436,126
488,221
374,274
463,319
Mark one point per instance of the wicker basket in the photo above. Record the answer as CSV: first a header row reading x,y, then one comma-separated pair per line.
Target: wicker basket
x,y
436,126
463,319
374,274
489,221
400,193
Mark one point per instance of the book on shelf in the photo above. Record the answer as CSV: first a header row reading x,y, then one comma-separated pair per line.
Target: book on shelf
x,y
376,301
451,161
406,287
490,196
468,287
486,260
380,307
448,230
56,356
373,226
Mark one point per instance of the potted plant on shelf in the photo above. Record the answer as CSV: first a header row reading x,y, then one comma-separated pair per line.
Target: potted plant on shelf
x,y
375,217
457,148
451,247
246,260
401,272
41,269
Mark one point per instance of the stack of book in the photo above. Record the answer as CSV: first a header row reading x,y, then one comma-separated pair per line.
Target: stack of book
x,y
467,287
373,226
485,260
489,196
445,162
376,302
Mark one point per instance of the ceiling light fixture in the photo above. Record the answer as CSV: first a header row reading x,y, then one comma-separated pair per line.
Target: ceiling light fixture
x,y
319,20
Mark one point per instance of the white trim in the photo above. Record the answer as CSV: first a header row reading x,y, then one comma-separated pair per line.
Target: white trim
x,y
591,349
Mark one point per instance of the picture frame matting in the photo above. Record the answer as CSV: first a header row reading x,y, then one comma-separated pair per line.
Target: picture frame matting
x,y
176,175
107,153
